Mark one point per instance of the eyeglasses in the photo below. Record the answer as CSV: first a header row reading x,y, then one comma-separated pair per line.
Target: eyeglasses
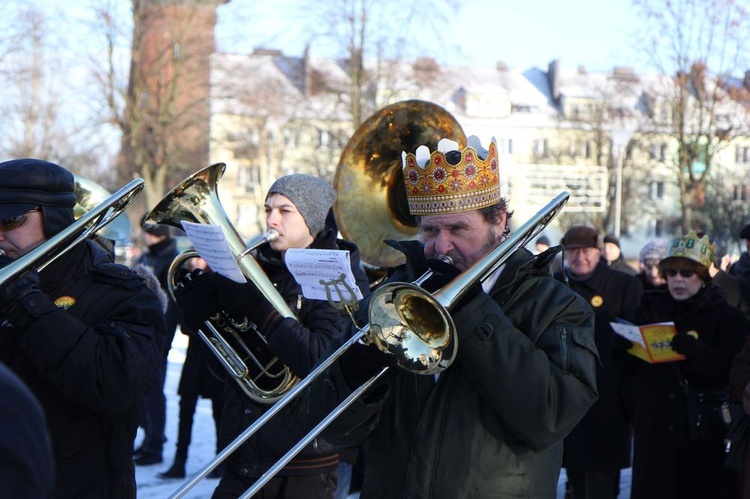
x,y
686,273
11,223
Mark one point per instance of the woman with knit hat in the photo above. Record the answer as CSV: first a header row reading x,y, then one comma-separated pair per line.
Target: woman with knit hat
x,y
648,262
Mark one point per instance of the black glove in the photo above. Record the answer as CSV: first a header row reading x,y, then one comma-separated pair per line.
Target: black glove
x,y
444,273
22,300
197,295
361,362
685,344
245,300
621,344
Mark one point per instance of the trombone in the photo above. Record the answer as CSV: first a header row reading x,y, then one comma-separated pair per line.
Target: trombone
x,y
398,310
87,225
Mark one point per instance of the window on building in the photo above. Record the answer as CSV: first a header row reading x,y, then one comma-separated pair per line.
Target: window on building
x,y
741,193
506,146
656,190
658,228
540,148
742,155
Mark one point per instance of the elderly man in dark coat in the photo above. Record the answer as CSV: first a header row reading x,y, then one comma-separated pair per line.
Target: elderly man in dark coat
x,y
599,447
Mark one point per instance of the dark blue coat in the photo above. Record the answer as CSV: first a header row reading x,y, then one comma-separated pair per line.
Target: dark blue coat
x,y
89,362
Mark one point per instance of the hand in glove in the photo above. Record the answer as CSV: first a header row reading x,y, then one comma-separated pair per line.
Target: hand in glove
x,y
361,362
245,300
685,344
197,295
22,300
620,343
444,273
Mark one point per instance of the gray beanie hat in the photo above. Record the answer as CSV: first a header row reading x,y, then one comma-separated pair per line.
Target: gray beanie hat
x,y
654,250
312,196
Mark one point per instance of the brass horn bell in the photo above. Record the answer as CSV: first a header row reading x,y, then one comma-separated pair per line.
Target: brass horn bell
x,y
371,203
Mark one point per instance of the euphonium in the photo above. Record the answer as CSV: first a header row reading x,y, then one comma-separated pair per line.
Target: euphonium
x,y
257,371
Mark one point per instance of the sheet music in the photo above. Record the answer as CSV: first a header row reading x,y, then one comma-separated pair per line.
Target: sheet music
x,y
310,266
211,244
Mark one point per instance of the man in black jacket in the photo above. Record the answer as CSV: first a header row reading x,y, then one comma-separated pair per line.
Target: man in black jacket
x,y
491,423
161,250
81,334
599,446
296,208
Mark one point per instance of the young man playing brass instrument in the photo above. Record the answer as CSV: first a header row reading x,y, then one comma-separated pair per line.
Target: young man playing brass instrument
x,y
296,208
492,423
84,334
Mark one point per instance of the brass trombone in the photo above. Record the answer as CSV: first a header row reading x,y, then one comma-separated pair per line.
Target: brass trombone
x,y
85,226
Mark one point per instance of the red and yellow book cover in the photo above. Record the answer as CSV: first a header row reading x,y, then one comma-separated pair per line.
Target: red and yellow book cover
x,y
651,342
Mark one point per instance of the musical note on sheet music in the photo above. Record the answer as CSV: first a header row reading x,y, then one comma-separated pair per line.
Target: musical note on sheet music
x,y
212,245
315,269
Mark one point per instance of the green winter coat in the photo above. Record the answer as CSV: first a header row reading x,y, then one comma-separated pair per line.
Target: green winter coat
x,y
492,425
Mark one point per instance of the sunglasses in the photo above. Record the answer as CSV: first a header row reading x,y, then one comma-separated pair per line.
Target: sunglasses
x,y
686,273
11,223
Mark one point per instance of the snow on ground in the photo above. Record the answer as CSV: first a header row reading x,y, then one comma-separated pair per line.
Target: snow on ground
x,y
203,446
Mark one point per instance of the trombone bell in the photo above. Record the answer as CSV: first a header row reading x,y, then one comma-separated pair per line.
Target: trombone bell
x,y
410,324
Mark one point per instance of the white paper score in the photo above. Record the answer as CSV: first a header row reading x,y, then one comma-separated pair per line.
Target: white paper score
x,y
310,266
212,245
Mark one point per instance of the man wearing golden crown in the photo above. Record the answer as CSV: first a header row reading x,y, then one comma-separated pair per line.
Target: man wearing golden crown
x,y
678,448
492,423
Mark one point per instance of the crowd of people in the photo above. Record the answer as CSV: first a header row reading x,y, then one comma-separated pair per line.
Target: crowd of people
x,y
534,379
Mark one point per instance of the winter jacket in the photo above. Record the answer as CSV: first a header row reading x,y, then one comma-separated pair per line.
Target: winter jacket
x,y
89,361
739,377
666,462
492,423
158,257
601,441
298,344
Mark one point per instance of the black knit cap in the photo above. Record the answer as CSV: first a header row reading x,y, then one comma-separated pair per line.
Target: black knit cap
x,y
611,238
745,232
27,183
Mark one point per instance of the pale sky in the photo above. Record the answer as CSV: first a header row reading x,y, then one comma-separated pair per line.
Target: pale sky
x,y
594,33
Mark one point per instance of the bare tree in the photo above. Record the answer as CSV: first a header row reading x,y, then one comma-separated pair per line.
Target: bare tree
x,y
35,98
697,44
161,107
386,32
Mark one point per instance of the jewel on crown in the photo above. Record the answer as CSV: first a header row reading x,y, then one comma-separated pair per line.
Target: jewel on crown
x,y
690,246
435,186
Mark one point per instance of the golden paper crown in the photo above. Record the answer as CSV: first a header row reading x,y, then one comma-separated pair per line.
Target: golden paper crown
x,y
434,186
691,247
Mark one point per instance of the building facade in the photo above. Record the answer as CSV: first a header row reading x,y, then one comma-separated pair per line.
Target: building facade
x,y
273,114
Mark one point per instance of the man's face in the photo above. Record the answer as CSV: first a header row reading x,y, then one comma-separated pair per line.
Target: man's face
x,y
611,252
20,235
284,218
582,261
465,237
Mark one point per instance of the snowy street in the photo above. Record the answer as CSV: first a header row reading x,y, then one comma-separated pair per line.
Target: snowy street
x,y
203,447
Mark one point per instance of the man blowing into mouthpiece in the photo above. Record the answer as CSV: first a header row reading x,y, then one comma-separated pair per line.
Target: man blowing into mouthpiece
x,y
82,334
492,423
